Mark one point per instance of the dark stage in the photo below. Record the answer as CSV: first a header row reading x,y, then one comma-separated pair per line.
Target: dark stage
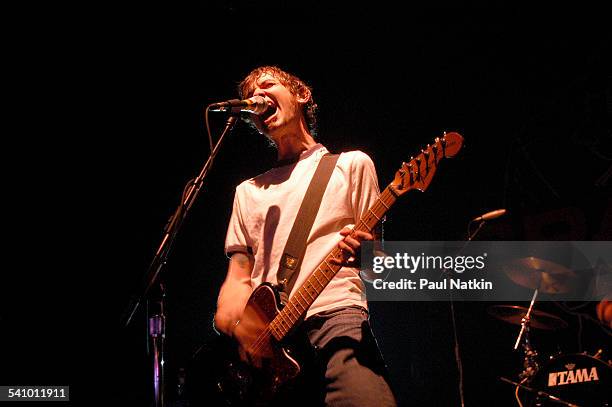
x,y
110,128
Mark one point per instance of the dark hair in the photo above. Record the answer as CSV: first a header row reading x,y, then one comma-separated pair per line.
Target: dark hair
x,y
295,85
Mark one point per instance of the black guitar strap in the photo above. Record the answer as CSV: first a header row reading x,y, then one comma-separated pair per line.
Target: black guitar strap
x,y
292,257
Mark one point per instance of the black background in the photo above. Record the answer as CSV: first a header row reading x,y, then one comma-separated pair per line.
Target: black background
x,y
106,111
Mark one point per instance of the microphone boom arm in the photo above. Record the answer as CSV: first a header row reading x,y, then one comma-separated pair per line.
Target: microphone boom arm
x,y
157,321
174,224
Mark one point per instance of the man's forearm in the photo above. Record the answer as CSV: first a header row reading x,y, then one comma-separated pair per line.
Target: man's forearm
x,y
234,293
230,307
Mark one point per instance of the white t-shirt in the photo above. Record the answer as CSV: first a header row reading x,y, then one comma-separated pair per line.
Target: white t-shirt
x,y
265,208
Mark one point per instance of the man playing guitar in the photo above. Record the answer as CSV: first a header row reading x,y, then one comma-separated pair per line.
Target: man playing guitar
x,y
349,368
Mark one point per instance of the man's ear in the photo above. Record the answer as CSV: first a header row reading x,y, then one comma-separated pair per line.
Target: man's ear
x,y
304,96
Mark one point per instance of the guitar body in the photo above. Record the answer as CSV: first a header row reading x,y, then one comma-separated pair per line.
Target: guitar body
x,y
265,351
268,368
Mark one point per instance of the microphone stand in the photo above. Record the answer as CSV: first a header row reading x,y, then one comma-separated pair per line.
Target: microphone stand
x,y
470,237
157,322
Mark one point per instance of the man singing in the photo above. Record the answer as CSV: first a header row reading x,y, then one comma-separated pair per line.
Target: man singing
x,y
351,371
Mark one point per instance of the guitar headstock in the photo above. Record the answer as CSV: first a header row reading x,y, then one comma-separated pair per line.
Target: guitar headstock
x,y
419,171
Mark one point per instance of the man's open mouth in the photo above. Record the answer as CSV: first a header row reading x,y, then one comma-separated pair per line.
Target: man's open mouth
x,y
268,113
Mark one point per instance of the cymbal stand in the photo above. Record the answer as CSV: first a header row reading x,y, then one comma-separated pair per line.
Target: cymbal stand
x,y
530,364
525,321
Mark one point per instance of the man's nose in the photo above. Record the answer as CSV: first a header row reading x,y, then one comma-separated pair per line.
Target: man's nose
x,y
259,92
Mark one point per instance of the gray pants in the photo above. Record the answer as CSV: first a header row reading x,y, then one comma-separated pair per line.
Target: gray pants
x,y
348,369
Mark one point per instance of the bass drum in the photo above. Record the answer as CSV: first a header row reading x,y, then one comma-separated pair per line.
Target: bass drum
x,y
573,378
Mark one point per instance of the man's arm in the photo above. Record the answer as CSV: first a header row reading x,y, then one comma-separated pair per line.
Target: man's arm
x,y
364,192
234,293
604,311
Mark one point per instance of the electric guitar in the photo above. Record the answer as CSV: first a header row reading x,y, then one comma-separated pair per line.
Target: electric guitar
x,y
265,324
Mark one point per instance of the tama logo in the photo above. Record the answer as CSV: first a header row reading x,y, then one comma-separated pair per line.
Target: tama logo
x,y
572,375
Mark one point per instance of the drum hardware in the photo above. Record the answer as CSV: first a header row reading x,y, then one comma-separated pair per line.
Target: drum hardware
x,y
574,378
597,355
538,319
542,276
528,318
539,393
530,364
562,379
545,276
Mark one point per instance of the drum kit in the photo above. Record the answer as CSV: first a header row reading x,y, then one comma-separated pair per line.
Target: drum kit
x,y
573,379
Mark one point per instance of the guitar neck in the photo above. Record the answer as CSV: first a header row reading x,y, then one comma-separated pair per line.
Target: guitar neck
x,y
413,175
295,309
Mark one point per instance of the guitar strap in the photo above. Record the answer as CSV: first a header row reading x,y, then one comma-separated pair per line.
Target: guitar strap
x,y
292,257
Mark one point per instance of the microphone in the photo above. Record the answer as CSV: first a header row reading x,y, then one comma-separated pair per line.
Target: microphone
x,y
490,215
256,105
